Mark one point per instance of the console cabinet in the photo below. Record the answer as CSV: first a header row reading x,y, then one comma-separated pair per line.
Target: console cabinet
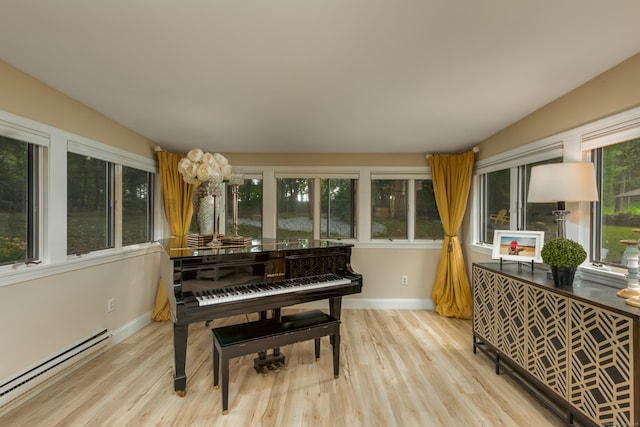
x,y
577,348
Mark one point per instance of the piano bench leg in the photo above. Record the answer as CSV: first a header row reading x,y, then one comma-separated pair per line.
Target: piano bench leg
x,y
317,345
225,385
336,354
216,366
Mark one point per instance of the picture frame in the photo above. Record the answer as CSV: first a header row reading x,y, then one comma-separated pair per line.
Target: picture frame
x,y
521,246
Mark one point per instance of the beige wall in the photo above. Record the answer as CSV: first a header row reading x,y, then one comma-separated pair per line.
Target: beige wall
x,y
25,96
382,270
327,159
614,91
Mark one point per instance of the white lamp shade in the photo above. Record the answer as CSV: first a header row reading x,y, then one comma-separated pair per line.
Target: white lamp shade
x,y
562,182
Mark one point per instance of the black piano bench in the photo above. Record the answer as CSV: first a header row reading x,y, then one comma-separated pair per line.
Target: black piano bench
x,y
261,335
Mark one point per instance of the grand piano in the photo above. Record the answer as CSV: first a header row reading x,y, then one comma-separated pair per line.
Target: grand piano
x,y
206,283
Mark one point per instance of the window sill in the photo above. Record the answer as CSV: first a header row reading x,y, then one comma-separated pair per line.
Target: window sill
x,y
18,273
608,276
400,244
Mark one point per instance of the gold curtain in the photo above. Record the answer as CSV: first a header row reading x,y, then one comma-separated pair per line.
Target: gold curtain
x,y
176,199
451,183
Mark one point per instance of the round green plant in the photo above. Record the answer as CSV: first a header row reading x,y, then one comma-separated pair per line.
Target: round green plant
x,y
563,253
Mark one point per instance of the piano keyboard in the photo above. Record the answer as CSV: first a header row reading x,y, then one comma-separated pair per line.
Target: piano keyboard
x,y
258,290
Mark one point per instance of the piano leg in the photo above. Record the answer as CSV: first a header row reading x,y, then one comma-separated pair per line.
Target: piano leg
x,y
180,334
335,343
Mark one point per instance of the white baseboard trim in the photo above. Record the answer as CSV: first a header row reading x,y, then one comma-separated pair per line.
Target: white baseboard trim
x,y
130,328
373,303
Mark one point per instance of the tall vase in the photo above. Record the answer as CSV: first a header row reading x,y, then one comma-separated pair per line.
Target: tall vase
x,y
206,210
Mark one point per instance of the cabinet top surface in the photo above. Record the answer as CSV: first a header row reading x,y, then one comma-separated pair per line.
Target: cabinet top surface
x,y
595,293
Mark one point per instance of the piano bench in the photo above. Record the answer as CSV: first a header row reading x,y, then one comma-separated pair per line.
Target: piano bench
x,y
261,335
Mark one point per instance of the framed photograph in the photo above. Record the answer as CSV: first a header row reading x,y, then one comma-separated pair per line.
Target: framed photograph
x,y
523,246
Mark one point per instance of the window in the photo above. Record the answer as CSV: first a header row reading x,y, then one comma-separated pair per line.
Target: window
x,y
428,224
18,200
137,206
337,208
496,189
89,204
539,216
389,209
502,198
249,209
317,207
295,211
618,211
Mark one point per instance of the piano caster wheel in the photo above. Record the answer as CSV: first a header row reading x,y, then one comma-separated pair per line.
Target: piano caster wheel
x,y
265,371
181,393
207,323
215,387
225,412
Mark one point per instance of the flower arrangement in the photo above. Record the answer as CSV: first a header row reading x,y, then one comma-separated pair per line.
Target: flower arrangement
x,y
199,166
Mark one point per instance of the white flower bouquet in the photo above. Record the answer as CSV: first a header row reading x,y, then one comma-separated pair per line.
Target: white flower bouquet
x,y
199,166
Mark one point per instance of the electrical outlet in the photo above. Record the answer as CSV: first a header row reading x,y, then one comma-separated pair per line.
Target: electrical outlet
x,y
110,305
404,280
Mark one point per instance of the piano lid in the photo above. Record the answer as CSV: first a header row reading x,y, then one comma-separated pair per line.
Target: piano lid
x,y
176,247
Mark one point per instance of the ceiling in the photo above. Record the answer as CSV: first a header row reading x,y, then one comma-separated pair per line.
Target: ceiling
x,y
317,75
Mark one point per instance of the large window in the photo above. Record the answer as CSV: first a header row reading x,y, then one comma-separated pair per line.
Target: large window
x,y
618,212
249,209
337,208
137,210
496,189
18,201
404,209
295,210
428,224
539,216
389,209
502,201
316,207
89,209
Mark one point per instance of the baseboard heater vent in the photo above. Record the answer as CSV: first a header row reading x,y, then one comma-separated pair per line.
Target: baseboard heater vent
x,y
37,375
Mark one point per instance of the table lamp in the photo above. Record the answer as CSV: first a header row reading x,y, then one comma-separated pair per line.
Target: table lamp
x,y
560,183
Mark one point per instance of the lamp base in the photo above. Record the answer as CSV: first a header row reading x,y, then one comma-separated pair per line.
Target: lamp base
x,y
629,292
633,301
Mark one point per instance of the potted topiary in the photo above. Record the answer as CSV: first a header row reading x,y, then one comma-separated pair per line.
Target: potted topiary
x,y
563,256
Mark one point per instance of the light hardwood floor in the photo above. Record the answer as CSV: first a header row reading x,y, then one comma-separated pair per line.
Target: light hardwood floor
x,y
398,368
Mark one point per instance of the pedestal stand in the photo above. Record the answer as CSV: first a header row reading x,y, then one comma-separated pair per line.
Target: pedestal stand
x,y
632,291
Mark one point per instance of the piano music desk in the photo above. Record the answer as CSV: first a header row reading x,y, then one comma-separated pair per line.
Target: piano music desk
x,y
261,335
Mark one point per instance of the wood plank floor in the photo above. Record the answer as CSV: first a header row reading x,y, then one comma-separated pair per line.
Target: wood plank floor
x,y
398,368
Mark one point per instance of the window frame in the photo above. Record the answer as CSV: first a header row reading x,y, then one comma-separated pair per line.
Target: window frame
x,y
50,181
516,162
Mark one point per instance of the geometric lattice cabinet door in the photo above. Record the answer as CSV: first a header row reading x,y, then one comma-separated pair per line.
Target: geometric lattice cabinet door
x,y
601,374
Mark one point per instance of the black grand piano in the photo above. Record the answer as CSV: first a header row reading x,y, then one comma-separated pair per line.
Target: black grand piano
x,y
258,277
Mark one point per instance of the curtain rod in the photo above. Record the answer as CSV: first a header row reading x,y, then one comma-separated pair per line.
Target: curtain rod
x,y
475,149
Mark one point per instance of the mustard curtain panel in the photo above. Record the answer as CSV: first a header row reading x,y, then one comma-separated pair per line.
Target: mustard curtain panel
x,y
176,200
451,176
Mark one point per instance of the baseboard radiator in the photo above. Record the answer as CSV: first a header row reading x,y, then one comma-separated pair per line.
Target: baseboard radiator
x,y
27,383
